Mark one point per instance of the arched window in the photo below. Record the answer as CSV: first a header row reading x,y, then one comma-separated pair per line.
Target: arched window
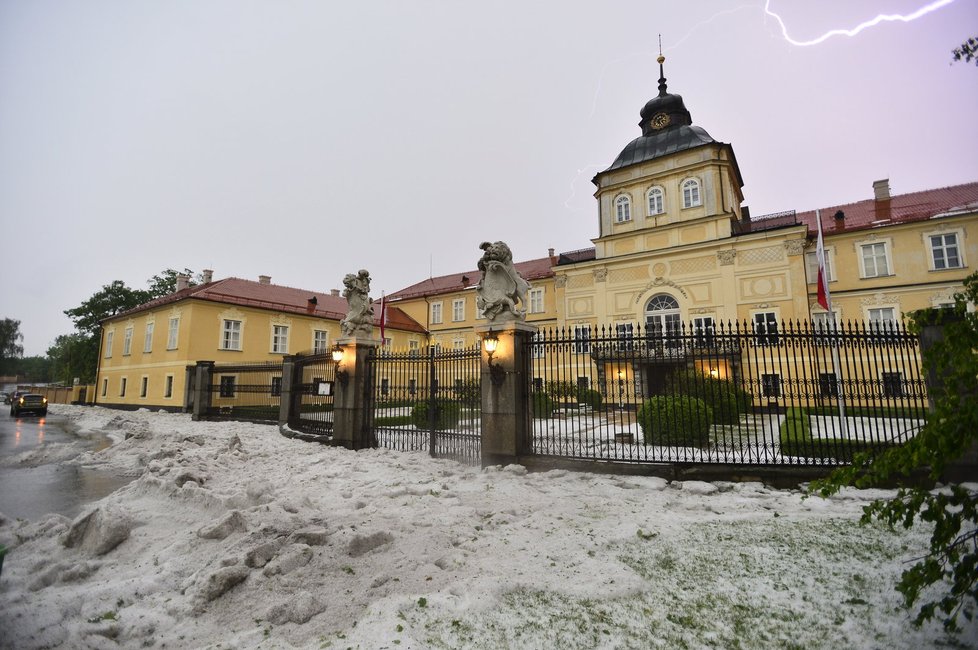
x,y
691,193
662,319
623,209
657,204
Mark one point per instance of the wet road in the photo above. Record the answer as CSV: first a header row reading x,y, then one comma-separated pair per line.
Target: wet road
x,y
34,480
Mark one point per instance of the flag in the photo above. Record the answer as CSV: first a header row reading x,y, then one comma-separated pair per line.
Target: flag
x,y
383,316
824,298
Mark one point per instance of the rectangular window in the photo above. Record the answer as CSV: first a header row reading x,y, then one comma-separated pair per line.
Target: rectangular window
x,y
771,386
882,321
172,331
280,339
412,386
536,301
385,387
414,348
766,328
105,387
320,341
231,335
122,387
143,386
458,310
892,384
168,387
811,267
874,260
537,348
703,332
583,383
458,344
127,343
148,341
538,384
944,251
435,313
626,335
108,344
227,386
582,339
828,384
276,386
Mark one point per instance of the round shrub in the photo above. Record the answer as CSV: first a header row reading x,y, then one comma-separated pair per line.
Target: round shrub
x,y
675,421
543,405
447,415
724,396
590,397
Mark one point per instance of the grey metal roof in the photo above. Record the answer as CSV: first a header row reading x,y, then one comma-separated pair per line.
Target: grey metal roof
x,y
661,143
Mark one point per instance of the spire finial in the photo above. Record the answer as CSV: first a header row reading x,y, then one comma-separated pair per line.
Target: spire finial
x,y
662,74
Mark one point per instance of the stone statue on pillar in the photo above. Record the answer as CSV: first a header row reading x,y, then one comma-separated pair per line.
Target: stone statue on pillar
x,y
501,286
359,321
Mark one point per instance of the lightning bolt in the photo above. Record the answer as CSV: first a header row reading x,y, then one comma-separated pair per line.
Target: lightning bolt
x,y
881,18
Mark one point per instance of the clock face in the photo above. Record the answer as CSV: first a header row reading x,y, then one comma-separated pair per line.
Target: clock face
x,y
660,121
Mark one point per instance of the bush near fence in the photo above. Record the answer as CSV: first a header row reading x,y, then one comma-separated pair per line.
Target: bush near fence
x,y
675,421
796,437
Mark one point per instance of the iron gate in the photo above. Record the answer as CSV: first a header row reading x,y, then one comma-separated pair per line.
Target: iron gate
x,y
311,410
426,399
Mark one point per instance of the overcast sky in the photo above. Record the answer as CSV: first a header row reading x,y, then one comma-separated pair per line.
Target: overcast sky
x,y
306,140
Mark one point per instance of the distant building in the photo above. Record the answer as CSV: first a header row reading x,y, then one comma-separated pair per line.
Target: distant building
x,y
145,351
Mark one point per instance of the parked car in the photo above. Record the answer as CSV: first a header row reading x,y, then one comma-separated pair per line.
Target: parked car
x,y
29,403
6,397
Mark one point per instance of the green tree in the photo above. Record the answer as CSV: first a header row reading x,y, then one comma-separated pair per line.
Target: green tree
x,y
165,282
945,579
110,300
35,369
10,347
74,355
968,51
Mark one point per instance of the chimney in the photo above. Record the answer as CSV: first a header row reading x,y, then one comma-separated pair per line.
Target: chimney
x,y
183,281
264,279
311,304
207,275
335,293
881,190
840,216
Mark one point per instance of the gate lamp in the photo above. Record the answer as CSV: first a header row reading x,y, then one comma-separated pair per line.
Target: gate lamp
x,y
496,372
341,375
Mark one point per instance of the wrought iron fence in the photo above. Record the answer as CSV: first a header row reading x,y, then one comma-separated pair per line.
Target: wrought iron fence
x,y
250,392
426,399
742,393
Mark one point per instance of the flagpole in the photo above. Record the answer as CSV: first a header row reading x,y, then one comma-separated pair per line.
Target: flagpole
x,y
825,300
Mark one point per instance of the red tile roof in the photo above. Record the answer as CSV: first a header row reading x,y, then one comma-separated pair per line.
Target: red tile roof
x,y
903,208
530,270
273,297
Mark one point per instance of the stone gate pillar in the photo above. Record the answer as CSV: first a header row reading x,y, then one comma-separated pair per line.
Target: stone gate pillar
x,y
351,390
505,391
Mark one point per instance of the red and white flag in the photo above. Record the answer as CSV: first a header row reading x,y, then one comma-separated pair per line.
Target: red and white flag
x,y
383,316
824,298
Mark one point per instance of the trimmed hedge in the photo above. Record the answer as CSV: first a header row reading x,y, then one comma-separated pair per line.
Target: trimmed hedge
x,y
447,415
543,406
590,397
796,439
724,396
675,421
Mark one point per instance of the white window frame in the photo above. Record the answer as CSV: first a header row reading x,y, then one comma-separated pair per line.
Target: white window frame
x,y
887,261
943,247
320,341
537,348
148,338
536,299
436,313
458,344
692,193
280,339
168,387
655,200
582,339
811,265
414,347
222,385
143,386
704,331
109,337
623,208
231,331
173,333
764,321
878,320
127,342
458,310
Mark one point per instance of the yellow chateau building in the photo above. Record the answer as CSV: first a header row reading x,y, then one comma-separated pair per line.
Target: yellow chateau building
x,y
146,351
675,248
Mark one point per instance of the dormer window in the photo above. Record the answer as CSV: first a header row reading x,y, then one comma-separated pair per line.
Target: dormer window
x,y
657,204
691,193
623,209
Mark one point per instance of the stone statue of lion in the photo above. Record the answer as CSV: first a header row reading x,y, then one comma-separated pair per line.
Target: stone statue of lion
x,y
359,319
501,286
